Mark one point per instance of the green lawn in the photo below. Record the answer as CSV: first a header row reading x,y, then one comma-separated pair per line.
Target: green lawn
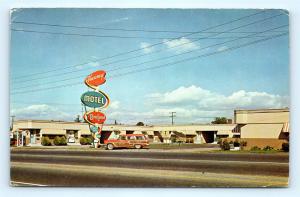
x,y
249,151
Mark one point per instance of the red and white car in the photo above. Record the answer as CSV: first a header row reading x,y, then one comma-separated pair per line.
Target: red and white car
x,y
136,141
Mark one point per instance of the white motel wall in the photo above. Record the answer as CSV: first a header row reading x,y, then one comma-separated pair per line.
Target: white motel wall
x,y
254,126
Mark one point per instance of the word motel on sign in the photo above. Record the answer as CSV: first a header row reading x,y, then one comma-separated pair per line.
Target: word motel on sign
x,y
94,99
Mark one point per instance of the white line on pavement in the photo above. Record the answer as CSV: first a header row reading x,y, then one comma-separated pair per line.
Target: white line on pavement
x,y
29,184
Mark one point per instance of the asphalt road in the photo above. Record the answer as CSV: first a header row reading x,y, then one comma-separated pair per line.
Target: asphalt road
x,y
142,168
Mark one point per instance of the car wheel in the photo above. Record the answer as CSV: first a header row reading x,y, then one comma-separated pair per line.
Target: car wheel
x,y
137,146
110,146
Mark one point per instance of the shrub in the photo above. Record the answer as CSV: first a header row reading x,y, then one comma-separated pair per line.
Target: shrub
x,y
243,144
268,148
60,141
219,141
46,141
56,141
225,145
255,148
285,147
63,141
83,141
231,142
89,140
236,143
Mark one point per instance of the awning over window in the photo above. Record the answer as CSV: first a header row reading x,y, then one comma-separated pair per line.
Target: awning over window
x,y
286,127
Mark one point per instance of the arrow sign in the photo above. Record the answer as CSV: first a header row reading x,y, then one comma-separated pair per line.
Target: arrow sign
x,y
95,79
95,99
94,117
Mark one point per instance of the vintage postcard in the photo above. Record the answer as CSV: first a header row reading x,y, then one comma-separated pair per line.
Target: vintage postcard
x,y
149,97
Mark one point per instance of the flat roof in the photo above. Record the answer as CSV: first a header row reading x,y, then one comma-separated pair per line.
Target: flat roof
x,y
121,125
261,110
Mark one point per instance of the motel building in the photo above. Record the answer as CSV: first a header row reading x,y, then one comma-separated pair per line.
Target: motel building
x,y
259,127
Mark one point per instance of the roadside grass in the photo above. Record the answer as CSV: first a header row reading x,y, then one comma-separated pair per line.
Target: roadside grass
x,y
181,146
249,151
85,147
171,146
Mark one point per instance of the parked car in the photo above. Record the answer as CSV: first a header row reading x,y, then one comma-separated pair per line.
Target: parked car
x,y
136,141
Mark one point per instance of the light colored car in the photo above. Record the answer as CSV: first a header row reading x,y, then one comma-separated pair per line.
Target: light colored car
x,y
136,141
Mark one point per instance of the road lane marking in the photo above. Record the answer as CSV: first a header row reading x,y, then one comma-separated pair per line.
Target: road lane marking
x,y
29,184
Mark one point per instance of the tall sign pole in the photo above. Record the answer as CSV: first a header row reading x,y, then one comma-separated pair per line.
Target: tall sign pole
x,y
96,100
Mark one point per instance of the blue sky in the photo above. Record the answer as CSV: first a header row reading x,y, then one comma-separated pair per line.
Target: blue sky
x,y
256,76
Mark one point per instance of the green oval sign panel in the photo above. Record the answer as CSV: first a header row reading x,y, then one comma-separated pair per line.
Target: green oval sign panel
x,y
94,99
94,129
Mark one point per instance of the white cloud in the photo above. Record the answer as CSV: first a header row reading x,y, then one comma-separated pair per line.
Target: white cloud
x,y
114,105
194,104
41,112
180,45
179,95
145,47
208,100
94,64
222,48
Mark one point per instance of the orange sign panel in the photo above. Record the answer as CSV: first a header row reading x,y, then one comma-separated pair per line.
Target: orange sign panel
x,y
95,79
94,117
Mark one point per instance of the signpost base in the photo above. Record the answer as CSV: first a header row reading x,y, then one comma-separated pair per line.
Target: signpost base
x,y
96,143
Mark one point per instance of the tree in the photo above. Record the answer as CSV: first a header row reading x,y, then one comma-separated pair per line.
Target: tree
x,y
220,120
77,119
140,124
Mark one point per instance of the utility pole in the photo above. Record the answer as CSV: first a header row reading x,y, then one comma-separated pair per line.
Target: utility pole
x,y
172,116
82,110
12,127
12,122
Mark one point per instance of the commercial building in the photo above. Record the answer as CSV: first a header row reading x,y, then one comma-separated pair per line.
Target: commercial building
x,y
31,131
262,127
254,126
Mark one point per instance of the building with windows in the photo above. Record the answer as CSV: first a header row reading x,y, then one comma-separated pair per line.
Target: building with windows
x,y
31,131
263,126
257,127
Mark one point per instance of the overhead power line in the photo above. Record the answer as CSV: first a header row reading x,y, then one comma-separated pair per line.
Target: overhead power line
x,y
74,71
193,58
146,47
112,36
159,59
50,103
160,66
114,29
